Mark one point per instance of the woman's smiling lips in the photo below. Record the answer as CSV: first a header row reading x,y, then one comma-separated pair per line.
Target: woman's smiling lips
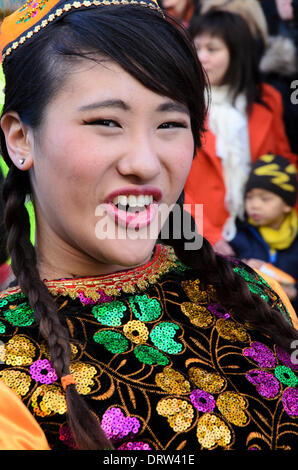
x,y
133,208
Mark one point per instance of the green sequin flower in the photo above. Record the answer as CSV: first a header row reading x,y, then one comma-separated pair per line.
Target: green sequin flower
x,y
162,336
148,309
286,376
112,340
109,314
20,315
135,333
149,355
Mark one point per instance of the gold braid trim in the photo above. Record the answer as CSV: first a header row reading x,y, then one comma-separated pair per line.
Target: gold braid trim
x,y
164,259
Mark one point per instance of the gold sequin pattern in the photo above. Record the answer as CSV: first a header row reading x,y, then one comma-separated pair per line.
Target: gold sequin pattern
x,y
196,294
197,314
232,331
136,331
19,351
208,381
48,400
83,374
232,406
179,413
171,381
17,380
212,431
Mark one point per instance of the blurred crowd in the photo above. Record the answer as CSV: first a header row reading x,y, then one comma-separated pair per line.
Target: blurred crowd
x,y
245,173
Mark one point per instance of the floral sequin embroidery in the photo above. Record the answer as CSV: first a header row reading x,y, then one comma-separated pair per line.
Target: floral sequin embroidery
x,y
117,426
179,413
83,374
48,400
19,351
269,385
20,315
42,371
212,431
172,381
17,380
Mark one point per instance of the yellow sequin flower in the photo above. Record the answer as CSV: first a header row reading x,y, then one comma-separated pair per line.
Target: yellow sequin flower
x,y
19,351
49,399
17,380
196,294
232,406
136,332
212,432
198,314
179,413
210,382
172,381
83,374
232,331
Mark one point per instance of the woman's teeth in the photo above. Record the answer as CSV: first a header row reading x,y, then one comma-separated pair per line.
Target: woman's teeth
x,y
133,203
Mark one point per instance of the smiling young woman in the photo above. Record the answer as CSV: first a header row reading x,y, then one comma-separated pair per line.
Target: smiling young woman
x,y
114,340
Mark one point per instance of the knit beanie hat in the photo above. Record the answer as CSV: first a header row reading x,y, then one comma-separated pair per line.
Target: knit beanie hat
x,y
275,174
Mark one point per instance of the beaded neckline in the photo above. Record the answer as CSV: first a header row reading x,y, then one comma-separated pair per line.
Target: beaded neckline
x,y
97,288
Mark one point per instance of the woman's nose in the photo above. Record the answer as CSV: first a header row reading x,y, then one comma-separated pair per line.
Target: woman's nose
x,y
141,160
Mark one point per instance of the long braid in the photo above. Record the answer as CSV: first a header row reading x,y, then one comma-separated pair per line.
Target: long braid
x,y
232,291
84,426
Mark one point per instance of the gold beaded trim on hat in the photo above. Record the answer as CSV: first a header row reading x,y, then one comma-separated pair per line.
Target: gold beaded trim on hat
x,y
67,7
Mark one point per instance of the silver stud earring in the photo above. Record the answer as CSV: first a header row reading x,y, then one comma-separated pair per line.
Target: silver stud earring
x,y
22,161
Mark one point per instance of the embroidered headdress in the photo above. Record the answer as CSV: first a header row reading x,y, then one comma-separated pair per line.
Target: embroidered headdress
x,y
35,15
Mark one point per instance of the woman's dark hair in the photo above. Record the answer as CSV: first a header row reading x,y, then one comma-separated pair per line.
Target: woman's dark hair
x,y
166,63
242,75
158,55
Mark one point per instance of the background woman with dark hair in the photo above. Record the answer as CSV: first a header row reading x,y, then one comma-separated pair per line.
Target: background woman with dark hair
x,y
112,339
244,122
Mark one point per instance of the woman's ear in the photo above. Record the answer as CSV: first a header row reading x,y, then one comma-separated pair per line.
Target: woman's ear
x,y
18,141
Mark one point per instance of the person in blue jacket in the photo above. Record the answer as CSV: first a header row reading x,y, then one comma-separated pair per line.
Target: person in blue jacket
x,y
269,232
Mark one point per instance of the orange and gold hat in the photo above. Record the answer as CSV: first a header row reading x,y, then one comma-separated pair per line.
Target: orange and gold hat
x,y
35,15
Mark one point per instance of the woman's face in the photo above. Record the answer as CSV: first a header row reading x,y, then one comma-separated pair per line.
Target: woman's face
x,y
214,55
106,141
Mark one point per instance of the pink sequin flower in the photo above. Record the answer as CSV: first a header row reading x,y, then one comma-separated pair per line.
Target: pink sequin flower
x,y
135,446
42,371
266,384
260,354
203,401
117,426
290,401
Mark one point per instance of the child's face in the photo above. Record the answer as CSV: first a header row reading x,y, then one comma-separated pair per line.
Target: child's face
x,y
266,208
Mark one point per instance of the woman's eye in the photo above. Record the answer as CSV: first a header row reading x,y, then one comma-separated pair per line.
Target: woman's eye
x,y
102,122
172,125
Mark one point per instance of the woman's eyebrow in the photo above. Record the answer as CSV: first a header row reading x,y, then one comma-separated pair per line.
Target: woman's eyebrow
x,y
172,106
110,103
120,104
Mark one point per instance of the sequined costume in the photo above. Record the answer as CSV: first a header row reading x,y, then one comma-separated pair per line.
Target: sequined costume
x,y
161,364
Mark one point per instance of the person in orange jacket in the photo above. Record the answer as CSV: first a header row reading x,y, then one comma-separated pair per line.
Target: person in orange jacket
x,y
244,122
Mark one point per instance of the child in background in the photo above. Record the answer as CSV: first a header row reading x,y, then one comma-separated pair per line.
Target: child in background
x,y
270,232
